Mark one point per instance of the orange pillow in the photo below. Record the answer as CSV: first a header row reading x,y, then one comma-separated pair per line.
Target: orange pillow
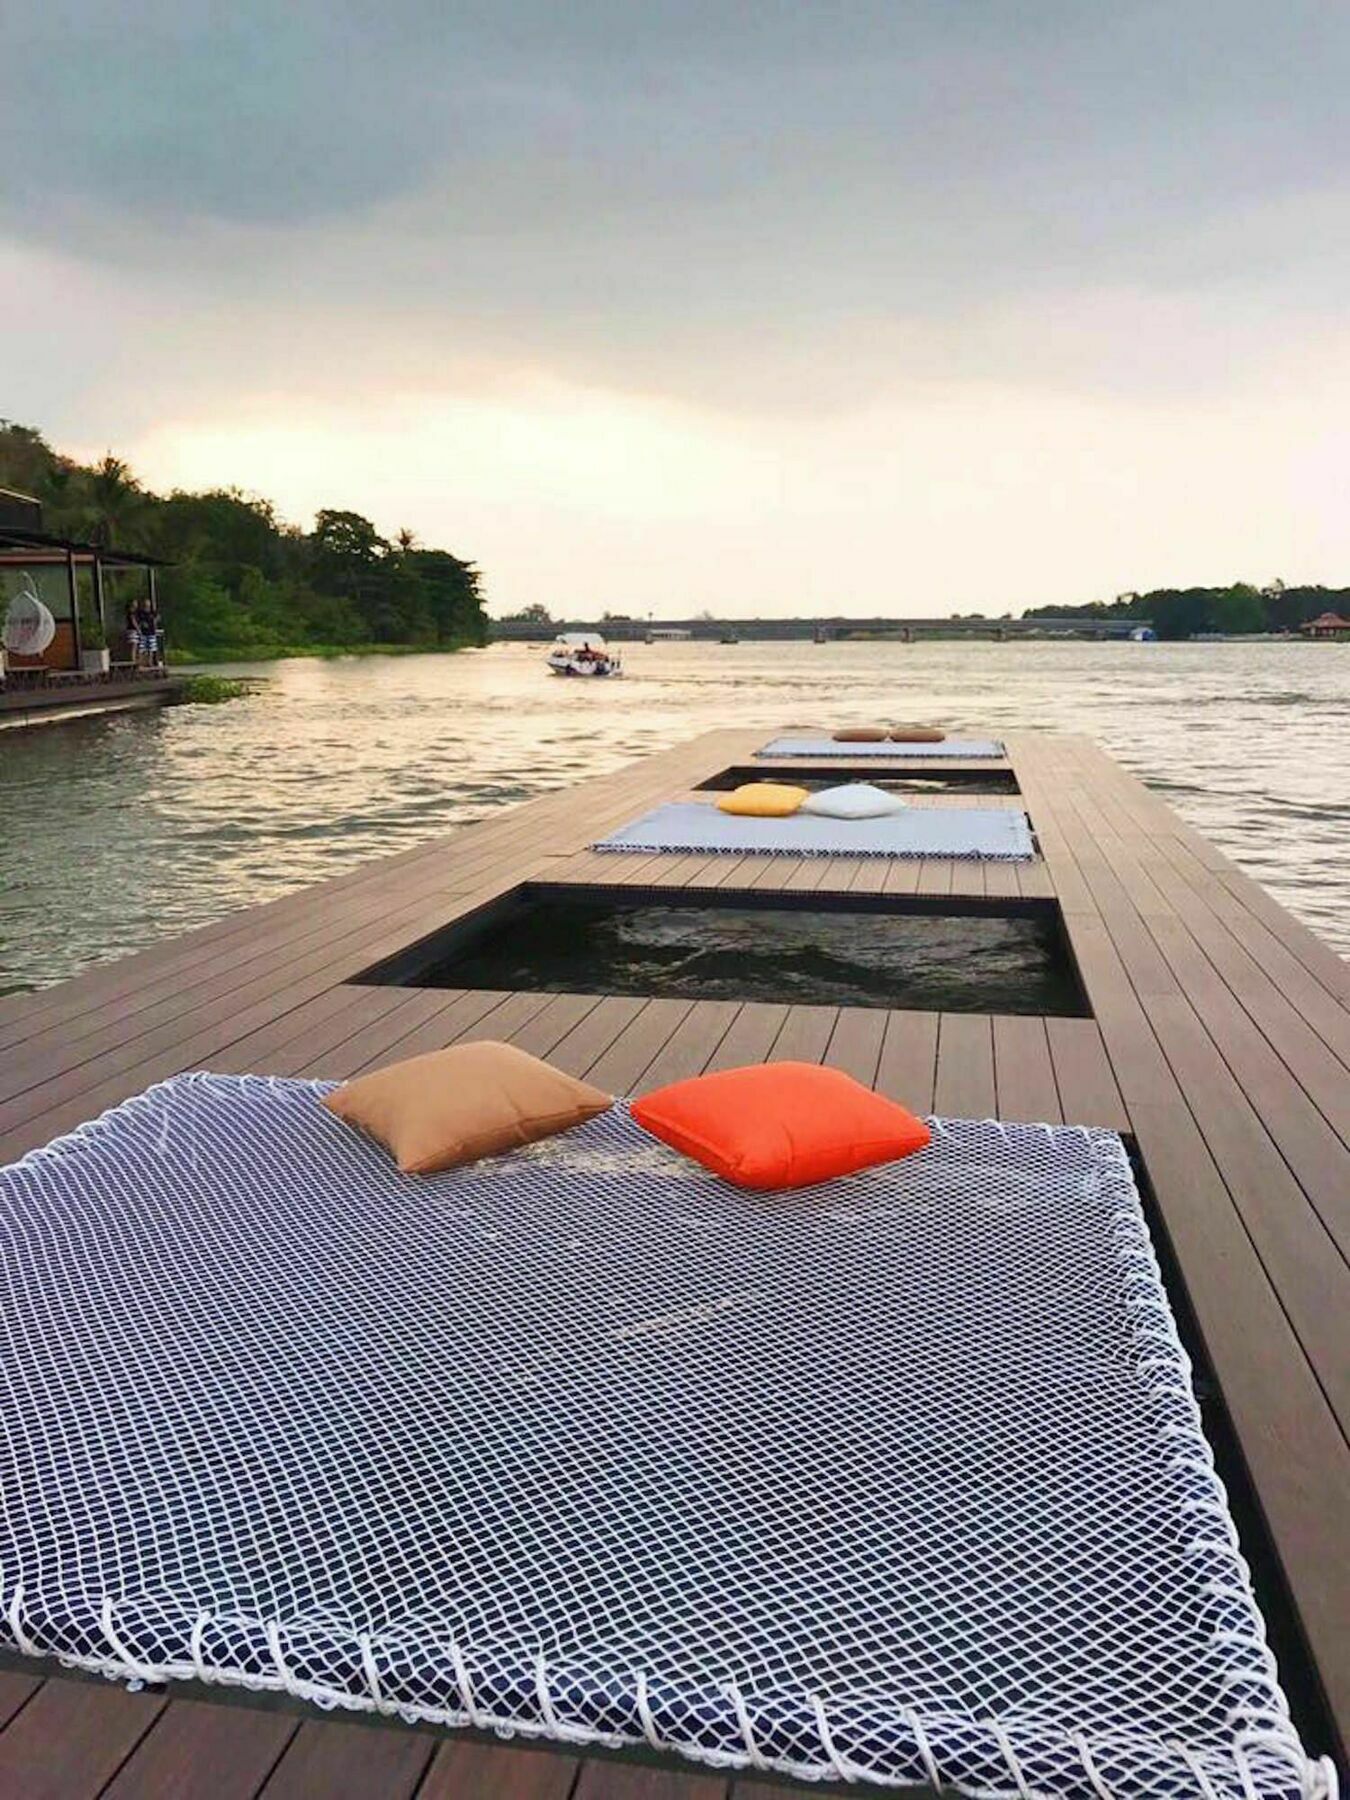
x,y
861,734
453,1106
780,1125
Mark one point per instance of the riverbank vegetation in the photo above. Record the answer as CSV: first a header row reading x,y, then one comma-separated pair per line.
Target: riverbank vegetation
x,y
213,690
244,583
1239,610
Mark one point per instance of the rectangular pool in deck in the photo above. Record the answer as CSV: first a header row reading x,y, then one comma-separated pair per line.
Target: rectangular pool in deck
x,y
1217,1038
951,779
904,952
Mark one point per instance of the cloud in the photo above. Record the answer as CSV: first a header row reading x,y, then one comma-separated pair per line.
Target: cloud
x,y
688,196
969,289
955,128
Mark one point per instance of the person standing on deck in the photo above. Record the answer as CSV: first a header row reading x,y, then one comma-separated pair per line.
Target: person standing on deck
x,y
146,624
156,627
133,630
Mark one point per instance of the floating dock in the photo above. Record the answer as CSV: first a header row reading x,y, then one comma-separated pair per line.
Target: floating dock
x,y
73,697
1215,1035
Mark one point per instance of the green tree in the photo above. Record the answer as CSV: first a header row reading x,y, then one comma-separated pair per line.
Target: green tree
x,y
1179,612
453,596
113,499
205,615
242,579
1238,610
346,549
1289,607
223,526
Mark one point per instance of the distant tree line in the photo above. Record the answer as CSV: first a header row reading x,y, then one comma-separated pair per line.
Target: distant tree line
x,y
244,582
1236,611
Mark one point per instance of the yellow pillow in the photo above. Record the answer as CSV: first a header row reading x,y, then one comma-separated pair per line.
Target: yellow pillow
x,y
763,800
453,1106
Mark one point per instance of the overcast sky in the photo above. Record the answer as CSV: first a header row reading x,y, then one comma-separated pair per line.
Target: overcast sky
x,y
791,305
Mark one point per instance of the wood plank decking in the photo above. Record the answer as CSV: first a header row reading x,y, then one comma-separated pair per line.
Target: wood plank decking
x,y
1220,1039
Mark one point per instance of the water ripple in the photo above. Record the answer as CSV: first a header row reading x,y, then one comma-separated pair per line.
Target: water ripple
x,y
122,830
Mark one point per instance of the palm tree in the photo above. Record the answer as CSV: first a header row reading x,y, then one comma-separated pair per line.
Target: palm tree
x,y
60,496
114,498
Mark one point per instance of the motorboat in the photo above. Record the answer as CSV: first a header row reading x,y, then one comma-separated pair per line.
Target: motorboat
x,y
583,653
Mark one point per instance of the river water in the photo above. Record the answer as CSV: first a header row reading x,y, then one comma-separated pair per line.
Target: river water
x,y
115,832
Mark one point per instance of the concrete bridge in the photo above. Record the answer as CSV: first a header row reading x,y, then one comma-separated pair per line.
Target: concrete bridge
x,y
819,630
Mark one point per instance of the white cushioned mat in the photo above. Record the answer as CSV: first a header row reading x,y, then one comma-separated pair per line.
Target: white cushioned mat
x,y
898,1478
997,833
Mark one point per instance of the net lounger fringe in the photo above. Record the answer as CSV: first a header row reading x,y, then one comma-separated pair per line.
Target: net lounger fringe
x,y
958,833
848,851
1316,1779
1258,1720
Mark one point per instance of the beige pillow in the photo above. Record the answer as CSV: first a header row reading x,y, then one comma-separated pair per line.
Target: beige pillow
x,y
916,734
453,1106
861,734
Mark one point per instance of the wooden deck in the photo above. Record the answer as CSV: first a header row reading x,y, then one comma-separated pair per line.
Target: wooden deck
x,y
1220,1039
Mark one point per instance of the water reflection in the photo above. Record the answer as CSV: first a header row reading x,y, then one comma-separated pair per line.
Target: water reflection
x,y
123,830
716,950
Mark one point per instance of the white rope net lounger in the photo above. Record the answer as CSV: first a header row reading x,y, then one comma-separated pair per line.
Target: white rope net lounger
x,y
983,749
898,1479
983,834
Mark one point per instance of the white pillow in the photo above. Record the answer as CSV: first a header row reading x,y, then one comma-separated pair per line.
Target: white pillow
x,y
857,800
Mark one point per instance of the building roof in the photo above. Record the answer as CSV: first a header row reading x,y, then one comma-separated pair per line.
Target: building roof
x,y
18,545
24,510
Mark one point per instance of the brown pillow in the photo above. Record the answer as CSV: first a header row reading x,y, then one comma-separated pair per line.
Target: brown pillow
x,y
453,1106
861,734
916,734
